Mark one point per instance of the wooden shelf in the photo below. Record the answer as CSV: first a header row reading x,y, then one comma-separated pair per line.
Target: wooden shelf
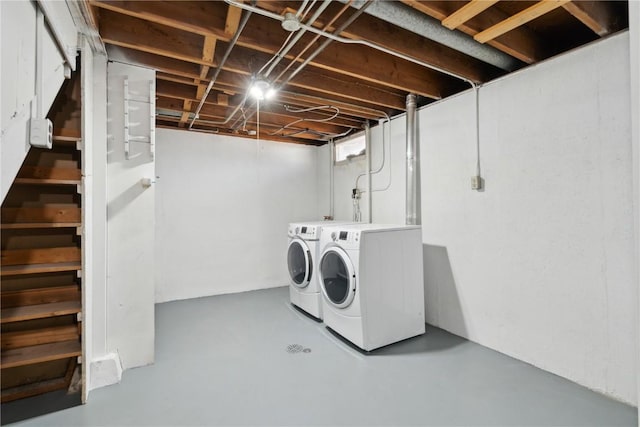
x,y
40,353
39,311
25,225
19,270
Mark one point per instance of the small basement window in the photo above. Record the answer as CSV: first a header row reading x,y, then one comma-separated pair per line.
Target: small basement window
x,y
349,149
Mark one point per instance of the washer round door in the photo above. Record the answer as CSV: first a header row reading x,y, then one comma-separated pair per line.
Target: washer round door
x,y
337,277
299,263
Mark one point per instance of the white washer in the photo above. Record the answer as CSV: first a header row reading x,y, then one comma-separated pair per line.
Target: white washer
x,y
302,255
371,279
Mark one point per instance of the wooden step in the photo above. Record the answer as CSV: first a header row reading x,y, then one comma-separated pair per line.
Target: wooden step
x,y
46,214
33,389
31,225
39,311
39,353
40,296
19,270
40,256
33,337
40,175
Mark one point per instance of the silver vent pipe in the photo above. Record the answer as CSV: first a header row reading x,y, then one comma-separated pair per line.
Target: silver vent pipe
x,y
412,162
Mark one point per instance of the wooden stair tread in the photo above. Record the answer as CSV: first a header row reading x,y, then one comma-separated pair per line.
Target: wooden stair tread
x,y
40,353
20,225
16,270
31,337
34,296
46,181
28,390
43,214
39,311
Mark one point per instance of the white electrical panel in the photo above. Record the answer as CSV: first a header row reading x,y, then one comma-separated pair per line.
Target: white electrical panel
x,y
41,133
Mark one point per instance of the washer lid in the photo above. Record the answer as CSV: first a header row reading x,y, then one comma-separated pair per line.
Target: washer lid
x,y
299,262
337,277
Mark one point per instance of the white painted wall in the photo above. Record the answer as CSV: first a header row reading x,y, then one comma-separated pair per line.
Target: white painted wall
x,y
389,184
540,266
130,222
222,209
18,79
634,56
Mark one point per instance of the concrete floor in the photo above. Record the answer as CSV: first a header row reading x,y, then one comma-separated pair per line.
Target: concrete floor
x,y
224,360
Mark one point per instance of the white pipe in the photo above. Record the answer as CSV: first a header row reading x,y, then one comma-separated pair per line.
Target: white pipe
x,y
297,37
332,153
40,30
412,163
367,150
349,41
382,163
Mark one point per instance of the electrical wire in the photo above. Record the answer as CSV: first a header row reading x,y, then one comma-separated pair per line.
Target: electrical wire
x,y
304,110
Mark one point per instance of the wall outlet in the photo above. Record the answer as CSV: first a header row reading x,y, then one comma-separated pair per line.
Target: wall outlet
x,y
476,183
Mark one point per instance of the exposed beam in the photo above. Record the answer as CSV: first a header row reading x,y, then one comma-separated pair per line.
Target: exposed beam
x,y
518,19
208,50
357,62
186,108
133,33
233,20
466,12
200,17
522,42
387,35
600,16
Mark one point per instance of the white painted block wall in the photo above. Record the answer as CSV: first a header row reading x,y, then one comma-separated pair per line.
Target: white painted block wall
x,y
130,222
540,266
388,185
18,80
222,209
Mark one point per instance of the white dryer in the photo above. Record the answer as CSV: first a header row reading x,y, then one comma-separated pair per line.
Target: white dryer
x,y
302,255
371,278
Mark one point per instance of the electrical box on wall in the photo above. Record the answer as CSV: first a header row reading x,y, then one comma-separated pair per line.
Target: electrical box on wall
x,y
41,133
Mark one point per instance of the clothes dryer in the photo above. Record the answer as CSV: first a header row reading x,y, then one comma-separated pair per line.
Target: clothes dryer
x,y
371,278
302,255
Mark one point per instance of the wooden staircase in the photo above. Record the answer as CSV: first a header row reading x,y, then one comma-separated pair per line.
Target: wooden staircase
x,y
40,275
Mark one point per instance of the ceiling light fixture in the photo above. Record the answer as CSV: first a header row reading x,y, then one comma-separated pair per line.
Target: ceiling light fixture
x,y
262,89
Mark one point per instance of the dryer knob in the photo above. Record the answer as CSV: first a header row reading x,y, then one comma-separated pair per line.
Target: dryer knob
x,y
333,236
297,230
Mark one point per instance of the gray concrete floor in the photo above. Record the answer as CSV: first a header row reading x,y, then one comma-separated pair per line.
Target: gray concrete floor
x,y
223,361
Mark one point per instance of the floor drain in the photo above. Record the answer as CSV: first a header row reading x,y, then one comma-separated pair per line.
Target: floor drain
x,y
295,348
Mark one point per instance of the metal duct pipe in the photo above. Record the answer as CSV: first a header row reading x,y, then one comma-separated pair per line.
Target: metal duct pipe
x,y
412,162
233,42
367,150
403,16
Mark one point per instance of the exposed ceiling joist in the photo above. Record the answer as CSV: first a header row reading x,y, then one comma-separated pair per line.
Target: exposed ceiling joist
x,y
601,16
518,19
466,12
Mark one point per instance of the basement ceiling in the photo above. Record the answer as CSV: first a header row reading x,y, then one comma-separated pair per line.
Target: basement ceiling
x,y
352,61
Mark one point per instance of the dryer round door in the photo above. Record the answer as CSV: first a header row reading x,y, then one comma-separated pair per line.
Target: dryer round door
x,y
337,277
299,263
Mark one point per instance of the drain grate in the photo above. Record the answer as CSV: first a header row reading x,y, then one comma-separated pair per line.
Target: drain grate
x,y
297,348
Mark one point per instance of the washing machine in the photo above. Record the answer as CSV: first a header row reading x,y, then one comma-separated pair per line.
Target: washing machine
x,y
371,279
302,255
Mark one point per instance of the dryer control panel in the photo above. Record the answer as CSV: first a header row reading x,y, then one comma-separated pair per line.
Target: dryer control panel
x,y
346,237
306,232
